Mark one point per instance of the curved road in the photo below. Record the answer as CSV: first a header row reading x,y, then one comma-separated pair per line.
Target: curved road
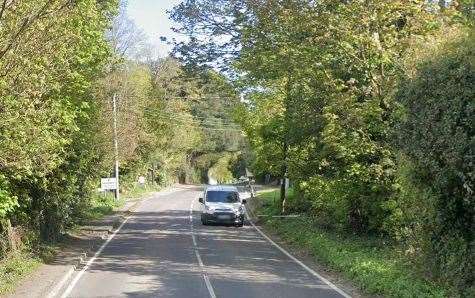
x,y
164,251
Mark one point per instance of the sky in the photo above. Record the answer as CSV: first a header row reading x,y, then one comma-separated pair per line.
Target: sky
x,y
152,18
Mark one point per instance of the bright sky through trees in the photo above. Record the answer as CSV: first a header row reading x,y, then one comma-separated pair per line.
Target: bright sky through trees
x,y
151,16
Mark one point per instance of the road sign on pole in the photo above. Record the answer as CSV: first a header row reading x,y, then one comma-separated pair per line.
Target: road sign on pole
x,y
108,183
116,148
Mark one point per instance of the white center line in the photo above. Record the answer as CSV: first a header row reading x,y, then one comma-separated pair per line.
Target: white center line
x,y
198,257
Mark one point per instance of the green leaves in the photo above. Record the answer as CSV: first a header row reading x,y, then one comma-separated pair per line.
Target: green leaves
x,y
51,54
436,135
320,80
8,202
48,63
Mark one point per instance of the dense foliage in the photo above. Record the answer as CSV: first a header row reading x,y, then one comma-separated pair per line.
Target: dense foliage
x,y
61,64
369,262
51,53
436,138
330,86
367,106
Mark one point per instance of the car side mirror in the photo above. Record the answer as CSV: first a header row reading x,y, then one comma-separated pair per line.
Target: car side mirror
x,y
201,200
244,201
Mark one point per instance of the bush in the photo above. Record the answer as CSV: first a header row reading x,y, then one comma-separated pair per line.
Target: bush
x,y
437,139
370,263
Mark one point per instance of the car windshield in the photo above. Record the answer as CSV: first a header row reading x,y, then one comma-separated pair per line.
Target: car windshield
x,y
222,197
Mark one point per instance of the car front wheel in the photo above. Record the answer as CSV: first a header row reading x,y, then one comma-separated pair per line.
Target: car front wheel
x,y
204,221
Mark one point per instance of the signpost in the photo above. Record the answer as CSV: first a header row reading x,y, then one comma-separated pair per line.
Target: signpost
x,y
250,177
108,184
116,148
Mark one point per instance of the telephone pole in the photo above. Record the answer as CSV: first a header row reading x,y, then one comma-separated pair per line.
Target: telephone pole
x,y
116,147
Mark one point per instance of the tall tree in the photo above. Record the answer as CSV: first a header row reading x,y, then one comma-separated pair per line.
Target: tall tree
x,y
51,52
334,63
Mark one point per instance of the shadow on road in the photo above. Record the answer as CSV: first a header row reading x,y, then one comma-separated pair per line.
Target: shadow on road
x,y
153,256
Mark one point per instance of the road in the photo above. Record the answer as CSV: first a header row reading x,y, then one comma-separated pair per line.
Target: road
x,y
164,251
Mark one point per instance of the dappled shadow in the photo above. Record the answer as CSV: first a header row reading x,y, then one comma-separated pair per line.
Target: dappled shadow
x,y
243,260
72,247
153,256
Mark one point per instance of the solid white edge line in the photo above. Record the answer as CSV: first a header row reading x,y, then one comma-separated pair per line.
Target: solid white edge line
x,y
89,263
61,283
209,286
308,269
198,257
200,261
71,271
194,240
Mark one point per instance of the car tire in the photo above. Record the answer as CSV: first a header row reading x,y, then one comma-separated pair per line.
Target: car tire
x,y
240,224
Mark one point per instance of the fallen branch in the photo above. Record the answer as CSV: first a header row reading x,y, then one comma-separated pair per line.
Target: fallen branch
x,y
279,216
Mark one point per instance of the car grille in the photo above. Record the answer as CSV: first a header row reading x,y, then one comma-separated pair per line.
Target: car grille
x,y
224,210
224,213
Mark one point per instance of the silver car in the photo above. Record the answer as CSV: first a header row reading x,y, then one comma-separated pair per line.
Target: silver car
x,y
221,204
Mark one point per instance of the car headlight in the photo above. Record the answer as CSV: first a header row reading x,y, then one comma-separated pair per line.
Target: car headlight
x,y
239,210
209,210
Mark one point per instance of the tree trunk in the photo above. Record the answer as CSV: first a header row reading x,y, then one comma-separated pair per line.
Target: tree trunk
x,y
6,240
153,174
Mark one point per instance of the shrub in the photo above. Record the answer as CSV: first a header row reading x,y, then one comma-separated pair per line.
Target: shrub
x,y
437,137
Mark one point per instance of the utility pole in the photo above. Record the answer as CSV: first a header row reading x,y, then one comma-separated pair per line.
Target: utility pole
x,y
116,147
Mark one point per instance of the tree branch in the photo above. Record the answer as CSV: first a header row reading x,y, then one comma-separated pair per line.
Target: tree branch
x,y
2,9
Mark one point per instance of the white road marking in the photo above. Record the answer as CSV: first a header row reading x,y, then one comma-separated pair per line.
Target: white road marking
x,y
198,257
209,286
89,263
308,269
61,283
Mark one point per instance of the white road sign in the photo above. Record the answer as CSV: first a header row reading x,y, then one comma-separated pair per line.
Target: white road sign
x,y
108,183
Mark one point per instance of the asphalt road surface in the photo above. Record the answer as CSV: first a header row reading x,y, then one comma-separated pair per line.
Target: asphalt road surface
x,y
164,251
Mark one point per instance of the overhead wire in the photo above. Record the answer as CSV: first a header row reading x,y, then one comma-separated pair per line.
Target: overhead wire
x,y
201,123
229,101
178,119
204,123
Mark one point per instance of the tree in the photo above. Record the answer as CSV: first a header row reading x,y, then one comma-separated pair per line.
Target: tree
x,y
436,136
213,28
126,39
314,57
197,103
50,54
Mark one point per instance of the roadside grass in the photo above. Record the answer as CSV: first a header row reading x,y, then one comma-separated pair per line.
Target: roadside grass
x,y
101,204
22,262
138,191
15,267
371,264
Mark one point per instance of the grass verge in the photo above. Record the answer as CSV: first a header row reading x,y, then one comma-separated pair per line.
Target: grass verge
x,y
139,191
102,205
372,265
19,264
15,267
